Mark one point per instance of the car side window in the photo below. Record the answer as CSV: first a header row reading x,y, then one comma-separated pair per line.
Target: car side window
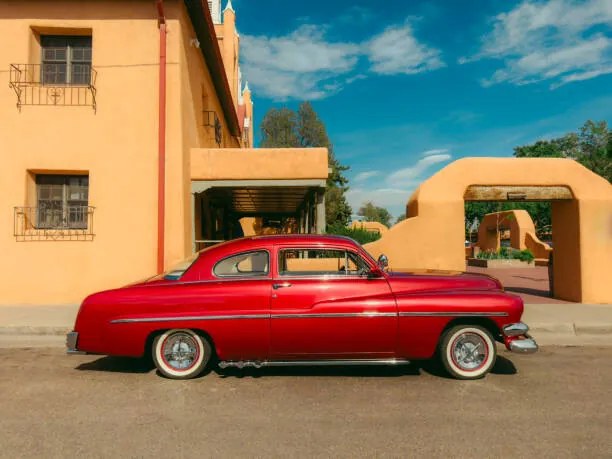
x,y
247,264
320,262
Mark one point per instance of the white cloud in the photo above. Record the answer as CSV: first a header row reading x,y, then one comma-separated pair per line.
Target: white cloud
x,y
363,176
306,65
394,190
556,40
435,151
300,65
393,199
396,50
408,175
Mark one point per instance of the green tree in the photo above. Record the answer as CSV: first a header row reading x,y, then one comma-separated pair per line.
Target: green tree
x,y
400,218
591,146
374,213
286,128
279,129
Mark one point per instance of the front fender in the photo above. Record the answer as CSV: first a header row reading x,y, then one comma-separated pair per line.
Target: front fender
x,y
424,317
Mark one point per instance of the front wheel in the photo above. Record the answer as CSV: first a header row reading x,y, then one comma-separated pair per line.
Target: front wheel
x,y
181,354
467,351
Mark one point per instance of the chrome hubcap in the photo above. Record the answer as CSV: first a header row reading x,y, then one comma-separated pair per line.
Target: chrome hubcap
x,y
469,351
180,351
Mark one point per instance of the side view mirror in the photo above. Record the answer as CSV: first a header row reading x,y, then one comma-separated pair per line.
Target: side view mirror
x,y
383,262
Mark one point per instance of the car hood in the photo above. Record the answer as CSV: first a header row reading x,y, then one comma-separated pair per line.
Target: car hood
x,y
423,281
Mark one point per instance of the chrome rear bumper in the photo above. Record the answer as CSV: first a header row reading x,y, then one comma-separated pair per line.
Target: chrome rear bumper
x,y
71,343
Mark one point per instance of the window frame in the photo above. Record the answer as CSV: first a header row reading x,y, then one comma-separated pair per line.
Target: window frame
x,y
241,275
70,62
316,274
65,209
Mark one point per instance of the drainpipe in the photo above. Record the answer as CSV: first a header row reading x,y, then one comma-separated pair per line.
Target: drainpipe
x,y
161,165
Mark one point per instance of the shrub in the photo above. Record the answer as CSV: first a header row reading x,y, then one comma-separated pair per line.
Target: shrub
x,y
505,253
525,255
359,234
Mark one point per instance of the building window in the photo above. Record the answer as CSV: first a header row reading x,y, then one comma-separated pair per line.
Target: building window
x,y
66,60
62,201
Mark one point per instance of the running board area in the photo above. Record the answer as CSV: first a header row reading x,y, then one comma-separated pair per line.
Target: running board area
x,y
308,363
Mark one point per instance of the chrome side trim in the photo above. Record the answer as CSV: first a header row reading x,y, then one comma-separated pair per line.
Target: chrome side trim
x,y
524,346
255,316
516,329
333,315
307,363
190,318
452,314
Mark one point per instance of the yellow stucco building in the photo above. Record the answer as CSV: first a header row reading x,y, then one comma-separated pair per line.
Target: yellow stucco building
x,y
126,138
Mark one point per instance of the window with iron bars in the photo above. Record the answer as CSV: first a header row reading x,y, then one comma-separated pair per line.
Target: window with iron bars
x,y
62,201
65,60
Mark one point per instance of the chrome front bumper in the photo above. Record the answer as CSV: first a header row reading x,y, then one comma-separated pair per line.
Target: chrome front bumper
x,y
71,343
524,346
517,339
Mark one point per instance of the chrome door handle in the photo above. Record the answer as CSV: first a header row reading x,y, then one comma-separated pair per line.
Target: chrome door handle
x,y
283,285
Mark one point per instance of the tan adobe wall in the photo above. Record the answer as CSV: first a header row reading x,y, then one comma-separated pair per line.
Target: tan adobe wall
x,y
258,163
117,145
432,237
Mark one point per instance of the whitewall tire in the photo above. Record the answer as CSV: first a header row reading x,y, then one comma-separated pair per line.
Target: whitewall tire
x,y
468,351
181,353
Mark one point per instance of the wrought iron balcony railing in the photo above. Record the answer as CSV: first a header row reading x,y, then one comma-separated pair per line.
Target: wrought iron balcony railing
x,y
53,84
212,120
72,223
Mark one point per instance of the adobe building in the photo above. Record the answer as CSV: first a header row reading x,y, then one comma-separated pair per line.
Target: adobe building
x,y
126,143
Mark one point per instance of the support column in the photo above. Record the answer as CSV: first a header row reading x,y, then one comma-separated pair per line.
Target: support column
x,y
320,212
307,218
194,211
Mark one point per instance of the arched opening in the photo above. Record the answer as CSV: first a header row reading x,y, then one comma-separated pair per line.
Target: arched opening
x,y
507,239
433,234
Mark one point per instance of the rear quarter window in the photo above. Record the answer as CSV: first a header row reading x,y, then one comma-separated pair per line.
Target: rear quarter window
x,y
247,264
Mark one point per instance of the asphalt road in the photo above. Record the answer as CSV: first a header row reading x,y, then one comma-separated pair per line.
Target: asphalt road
x,y
557,403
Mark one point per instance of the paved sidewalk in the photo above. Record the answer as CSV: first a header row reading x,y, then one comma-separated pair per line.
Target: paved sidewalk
x,y
561,324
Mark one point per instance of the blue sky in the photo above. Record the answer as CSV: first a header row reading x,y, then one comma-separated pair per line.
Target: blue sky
x,y
405,87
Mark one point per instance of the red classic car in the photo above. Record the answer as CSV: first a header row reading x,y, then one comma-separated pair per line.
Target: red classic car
x,y
301,300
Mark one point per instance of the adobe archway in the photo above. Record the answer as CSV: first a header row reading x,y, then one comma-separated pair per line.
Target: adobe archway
x,y
432,235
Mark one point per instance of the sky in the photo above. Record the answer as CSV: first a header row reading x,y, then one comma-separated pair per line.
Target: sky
x,y
406,87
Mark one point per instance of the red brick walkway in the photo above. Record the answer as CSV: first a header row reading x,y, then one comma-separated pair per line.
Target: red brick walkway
x,y
531,284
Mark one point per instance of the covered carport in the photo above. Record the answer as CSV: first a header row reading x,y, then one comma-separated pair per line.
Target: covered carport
x,y
282,190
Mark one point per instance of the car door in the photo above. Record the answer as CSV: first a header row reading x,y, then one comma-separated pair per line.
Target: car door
x,y
324,306
238,300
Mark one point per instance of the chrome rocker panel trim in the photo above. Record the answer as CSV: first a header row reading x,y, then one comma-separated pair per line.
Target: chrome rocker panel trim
x,y
307,363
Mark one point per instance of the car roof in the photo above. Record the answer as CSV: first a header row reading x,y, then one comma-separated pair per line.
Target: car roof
x,y
291,239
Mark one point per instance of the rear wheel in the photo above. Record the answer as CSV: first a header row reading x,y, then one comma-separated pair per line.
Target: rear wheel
x,y
181,353
467,351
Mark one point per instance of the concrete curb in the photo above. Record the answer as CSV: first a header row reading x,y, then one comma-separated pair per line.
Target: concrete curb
x,y
40,331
